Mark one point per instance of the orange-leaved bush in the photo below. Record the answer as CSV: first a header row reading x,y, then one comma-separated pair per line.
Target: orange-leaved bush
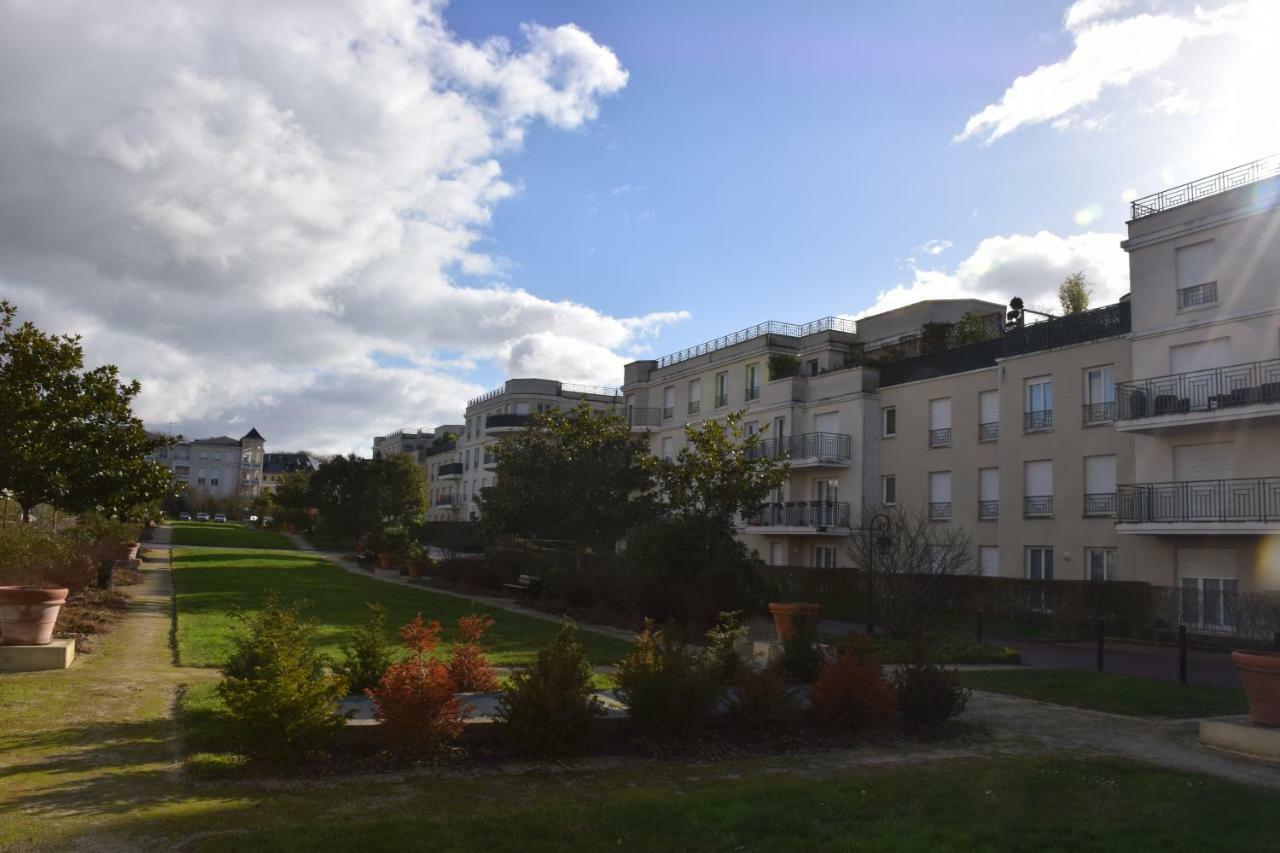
x,y
468,667
851,692
414,701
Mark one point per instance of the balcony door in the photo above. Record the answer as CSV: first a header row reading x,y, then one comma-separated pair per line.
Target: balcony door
x,y
826,492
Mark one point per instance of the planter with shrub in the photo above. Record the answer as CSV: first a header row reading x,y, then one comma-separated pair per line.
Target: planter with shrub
x,y
28,614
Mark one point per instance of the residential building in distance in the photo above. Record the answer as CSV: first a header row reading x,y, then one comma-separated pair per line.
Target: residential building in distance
x,y
401,441
220,467
276,465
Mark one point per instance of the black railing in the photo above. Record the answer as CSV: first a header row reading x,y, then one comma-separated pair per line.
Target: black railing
x,y
1100,503
1199,391
1095,414
808,445
1106,322
1255,499
1037,421
668,412
989,431
988,510
447,500
1202,187
940,511
1198,294
810,514
450,469
753,393
642,416
722,400
507,420
1037,505
940,437
695,406
944,363
437,449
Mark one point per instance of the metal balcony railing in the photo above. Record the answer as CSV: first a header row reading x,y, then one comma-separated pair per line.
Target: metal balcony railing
x,y
1096,414
940,511
1199,391
722,400
1197,295
695,406
810,514
450,469
752,393
668,412
507,420
988,510
1040,421
772,327
823,445
940,437
1100,503
447,500
1254,499
989,431
639,416
1212,185
1037,505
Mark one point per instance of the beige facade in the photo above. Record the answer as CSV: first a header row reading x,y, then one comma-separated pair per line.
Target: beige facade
x,y
220,467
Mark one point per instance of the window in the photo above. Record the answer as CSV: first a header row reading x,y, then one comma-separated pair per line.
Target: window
x,y
1099,395
1100,563
668,443
989,560
1038,488
889,489
1038,563
1209,602
888,422
522,408
722,390
777,553
811,367
668,402
940,495
1038,411
1197,278
988,494
824,556
695,396
988,415
1100,485
213,481
940,422
753,382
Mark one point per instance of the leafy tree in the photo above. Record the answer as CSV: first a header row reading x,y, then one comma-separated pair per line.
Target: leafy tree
x,y
68,435
337,490
395,494
293,497
579,475
972,329
1074,293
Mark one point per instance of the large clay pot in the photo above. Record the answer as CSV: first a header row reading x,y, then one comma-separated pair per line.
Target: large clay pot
x,y
785,612
386,561
1260,672
28,614
418,568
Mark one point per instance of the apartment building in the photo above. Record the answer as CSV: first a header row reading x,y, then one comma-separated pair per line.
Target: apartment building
x,y
221,467
503,410
275,466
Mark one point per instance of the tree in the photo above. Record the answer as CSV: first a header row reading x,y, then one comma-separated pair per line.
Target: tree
x,y
972,329
293,497
68,435
1074,293
395,494
337,491
910,558
577,475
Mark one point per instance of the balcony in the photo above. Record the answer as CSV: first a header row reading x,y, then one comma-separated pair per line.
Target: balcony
x,y
752,394
806,517
722,400
940,437
940,511
1249,506
1041,421
1097,414
988,510
1239,176
449,501
1214,395
1100,503
695,406
668,412
989,431
1038,506
450,471
490,462
808,450
505,423
642,417
1198,295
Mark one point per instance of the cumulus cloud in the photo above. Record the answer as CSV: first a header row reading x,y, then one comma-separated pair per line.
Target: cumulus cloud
x,y
242,203
933,247
1028,265
1109,51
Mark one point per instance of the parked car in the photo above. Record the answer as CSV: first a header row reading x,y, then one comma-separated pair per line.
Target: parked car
x,y
184,516
219,517
202,516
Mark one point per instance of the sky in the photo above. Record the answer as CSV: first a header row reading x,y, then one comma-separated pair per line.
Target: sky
x,y
330,221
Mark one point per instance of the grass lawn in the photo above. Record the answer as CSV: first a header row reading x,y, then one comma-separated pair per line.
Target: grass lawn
x,y
1117,694
210,584
226,535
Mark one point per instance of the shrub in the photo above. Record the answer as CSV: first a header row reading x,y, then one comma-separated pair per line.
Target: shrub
x,y
549,708
32,554
414,700
928,694
763,699
725,642
367,652
802,657
281,699
851,693
468,667
670,688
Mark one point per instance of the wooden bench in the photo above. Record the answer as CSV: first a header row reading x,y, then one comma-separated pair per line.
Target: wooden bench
x,y
526,586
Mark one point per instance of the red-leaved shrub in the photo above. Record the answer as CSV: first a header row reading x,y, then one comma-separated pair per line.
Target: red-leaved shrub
x,y
468,667
414,701
851,693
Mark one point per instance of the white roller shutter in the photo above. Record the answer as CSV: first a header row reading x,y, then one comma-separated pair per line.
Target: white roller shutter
x,y
1039,478
989,484
989,407
826,422
940,487
1203,461
940,413
989,560
1200,356
1195,264
1207,563
1099,475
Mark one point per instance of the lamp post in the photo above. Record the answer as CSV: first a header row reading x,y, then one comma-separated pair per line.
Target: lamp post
x,y
878,539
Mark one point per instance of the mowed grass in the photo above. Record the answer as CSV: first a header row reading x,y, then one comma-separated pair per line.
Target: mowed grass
x,y
226,535
1116,694
211,585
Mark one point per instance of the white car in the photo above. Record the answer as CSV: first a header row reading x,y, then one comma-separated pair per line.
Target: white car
x,y
202,516
184,516
219,518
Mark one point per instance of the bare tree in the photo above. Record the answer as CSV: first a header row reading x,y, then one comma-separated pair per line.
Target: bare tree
x,y
908,560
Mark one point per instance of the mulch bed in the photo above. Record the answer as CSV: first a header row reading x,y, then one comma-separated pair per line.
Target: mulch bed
x,y
91,613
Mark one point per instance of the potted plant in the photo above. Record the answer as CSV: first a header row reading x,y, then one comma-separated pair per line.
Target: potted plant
x,y
1260,672
28,614
416,558
391,546
785,614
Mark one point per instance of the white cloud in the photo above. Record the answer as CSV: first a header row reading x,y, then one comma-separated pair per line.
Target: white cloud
x,y
1027,265
253,198
932,247
1108,53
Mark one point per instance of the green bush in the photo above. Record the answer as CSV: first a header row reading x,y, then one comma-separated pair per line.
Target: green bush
x,y
366,652
928,694
725,642
549,708
670,688
763,698
802,657
782,365
281,699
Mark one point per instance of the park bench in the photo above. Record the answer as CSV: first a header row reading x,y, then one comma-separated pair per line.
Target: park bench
x,y
526,586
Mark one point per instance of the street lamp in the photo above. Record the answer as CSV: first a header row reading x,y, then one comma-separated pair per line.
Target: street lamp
x,y
878,539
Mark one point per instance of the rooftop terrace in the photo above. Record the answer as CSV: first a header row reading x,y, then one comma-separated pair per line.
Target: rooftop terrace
x,y
563,388
770,327
1239,176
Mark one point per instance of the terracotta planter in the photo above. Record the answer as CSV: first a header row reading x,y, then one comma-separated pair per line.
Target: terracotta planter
x,y
28,614
1260,672
785,612
418,568
386,561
